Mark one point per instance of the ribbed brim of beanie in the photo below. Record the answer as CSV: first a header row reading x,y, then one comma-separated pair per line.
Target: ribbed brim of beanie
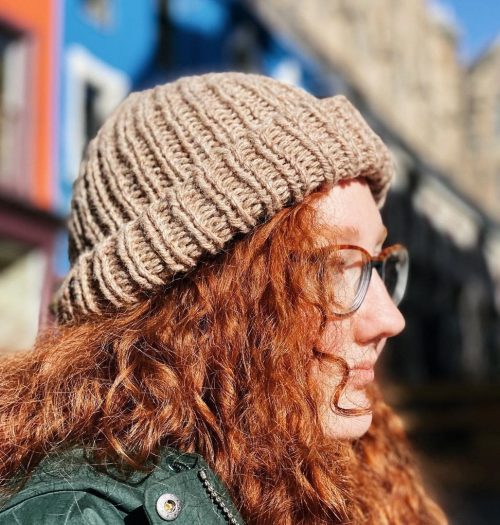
x,y
177,171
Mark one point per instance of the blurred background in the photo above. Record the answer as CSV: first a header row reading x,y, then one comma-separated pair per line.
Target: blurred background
x,y
426,76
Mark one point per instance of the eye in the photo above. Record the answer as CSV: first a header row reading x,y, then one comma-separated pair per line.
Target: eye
x,y
346,260
344,277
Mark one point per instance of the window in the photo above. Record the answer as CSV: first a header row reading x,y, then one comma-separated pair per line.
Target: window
x,y
99,11
14,110
22,272
93,90
92,118
243,48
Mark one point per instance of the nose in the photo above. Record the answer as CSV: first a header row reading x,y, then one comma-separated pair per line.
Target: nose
x,y
378,317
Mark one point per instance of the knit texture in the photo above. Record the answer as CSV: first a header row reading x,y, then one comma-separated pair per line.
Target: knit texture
x,y
177,171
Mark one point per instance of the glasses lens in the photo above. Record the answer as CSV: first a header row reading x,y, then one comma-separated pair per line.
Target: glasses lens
x,y
395,273
346,280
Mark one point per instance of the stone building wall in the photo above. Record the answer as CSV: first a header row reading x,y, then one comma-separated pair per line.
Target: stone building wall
x,y
483,130
401,55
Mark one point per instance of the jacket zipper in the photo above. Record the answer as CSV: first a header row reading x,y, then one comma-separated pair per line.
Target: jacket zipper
x,y
217,498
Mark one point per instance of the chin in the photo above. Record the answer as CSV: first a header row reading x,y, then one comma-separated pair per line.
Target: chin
x,y
339,426
348,427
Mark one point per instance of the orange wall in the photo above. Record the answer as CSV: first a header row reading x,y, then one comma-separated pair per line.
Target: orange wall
x,y
39,17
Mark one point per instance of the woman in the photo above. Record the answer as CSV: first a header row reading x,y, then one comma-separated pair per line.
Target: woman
x,y
216,337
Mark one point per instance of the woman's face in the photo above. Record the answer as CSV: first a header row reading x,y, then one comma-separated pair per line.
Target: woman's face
x,y
359,338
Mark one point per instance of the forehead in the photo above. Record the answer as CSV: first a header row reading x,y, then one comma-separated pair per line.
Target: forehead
x,y
349,208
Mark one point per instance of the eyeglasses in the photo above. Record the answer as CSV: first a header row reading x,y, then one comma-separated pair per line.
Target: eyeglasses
x,y
349,270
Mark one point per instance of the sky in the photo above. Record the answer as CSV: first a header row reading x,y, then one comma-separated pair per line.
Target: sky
x,y
479,22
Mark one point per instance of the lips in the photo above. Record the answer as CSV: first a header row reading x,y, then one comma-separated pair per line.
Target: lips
x,y
362,375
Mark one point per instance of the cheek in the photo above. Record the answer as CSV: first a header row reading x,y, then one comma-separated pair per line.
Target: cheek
x,y
337,338
328,377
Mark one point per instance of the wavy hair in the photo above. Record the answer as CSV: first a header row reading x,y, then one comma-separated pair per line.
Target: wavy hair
x,y
220,364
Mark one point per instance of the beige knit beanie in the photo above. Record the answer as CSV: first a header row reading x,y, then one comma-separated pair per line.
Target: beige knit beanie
x,y
177,171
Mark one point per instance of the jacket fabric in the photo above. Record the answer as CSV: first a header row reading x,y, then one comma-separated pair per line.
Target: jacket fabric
x,y
67,490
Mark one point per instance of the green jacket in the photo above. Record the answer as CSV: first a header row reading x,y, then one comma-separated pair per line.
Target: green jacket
x,y
67,490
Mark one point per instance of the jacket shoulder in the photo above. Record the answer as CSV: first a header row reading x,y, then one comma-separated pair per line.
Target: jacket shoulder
x,y
67,489
64,507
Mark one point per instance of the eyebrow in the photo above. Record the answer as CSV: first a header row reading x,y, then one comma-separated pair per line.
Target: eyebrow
x,y
353,233
350,232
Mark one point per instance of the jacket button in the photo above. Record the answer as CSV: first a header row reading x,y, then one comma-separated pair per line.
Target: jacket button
x,y
168,507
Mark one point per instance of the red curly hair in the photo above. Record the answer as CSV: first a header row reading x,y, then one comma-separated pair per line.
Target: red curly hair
x,y
219,363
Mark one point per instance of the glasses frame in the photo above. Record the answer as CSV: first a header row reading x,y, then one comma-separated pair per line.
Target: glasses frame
x,y
373,262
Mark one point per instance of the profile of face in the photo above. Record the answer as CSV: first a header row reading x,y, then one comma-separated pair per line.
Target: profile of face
x,y
358,338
